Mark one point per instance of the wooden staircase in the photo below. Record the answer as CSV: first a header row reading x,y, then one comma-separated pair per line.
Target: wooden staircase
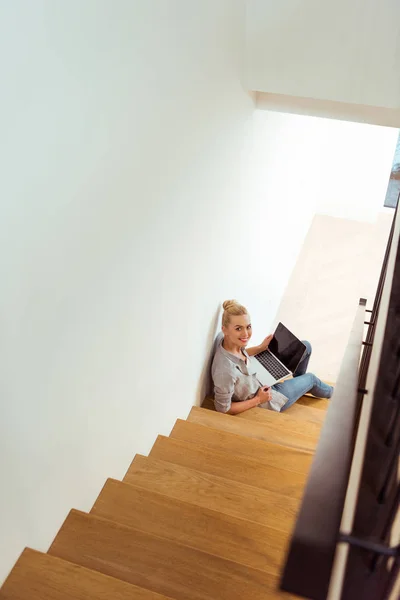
x,y
206,516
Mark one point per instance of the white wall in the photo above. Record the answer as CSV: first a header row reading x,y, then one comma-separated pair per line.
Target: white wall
x,y
346,51
284,163
355,168
331,167
132,204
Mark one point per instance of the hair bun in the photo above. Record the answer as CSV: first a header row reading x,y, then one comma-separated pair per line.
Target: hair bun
x,y
232,308
229,303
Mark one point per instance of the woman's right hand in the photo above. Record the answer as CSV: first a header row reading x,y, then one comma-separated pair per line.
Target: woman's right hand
x,y
264,394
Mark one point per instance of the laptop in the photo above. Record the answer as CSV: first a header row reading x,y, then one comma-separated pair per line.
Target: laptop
x,y
282,358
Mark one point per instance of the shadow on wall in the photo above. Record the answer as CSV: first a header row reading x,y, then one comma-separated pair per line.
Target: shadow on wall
x,y
205,387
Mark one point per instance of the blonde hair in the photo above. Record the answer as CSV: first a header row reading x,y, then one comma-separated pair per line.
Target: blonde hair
x,y
232,308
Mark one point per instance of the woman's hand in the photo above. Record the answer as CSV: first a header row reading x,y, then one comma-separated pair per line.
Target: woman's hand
x,y
264,345
264,394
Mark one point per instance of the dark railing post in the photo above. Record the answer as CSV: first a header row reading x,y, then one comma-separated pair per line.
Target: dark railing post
x,y
395,395
387,528
390,472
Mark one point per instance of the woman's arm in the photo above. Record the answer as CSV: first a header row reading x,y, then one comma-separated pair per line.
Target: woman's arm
x,y
254,350
264,394
263,346
239,407
224,380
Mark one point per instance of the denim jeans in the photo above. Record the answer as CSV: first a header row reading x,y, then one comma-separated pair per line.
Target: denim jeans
x,y
303,382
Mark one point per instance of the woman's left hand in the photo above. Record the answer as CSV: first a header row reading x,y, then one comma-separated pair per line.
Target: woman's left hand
x,y
264,345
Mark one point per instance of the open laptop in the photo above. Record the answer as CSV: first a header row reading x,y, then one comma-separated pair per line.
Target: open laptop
x,y
284,353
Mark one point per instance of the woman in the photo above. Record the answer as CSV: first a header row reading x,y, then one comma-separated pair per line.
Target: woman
x,y
236,387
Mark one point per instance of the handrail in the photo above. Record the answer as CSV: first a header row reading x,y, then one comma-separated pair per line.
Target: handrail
x,y
351,498
378,380
312,550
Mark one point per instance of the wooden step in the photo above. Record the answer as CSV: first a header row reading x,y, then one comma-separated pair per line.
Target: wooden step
x,y
267,453
306,413
291,421
216,493
214,532
312,402
273,419
299,411
270,432
156,563
302,414
223,464
38,576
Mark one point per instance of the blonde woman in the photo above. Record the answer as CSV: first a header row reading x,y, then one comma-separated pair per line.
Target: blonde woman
x,y
236,387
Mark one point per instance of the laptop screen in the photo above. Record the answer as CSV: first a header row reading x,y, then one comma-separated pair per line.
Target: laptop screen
x,y
287,347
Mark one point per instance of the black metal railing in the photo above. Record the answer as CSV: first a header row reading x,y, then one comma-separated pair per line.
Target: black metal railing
x,y
372,573
310,560
370,419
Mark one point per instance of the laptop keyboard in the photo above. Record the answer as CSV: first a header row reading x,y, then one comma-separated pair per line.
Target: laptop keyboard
x,y
272,364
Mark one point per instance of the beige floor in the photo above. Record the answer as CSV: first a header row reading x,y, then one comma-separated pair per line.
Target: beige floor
x,y
340,262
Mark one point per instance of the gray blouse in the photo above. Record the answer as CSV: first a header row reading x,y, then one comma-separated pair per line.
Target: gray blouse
x,y
234,380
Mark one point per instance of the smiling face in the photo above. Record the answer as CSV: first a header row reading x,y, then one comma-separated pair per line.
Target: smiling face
x,y
238,330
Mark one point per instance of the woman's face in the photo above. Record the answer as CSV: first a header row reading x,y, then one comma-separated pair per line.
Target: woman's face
x,y
238,332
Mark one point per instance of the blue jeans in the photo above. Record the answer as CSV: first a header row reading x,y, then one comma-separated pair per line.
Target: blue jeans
x,y
303,382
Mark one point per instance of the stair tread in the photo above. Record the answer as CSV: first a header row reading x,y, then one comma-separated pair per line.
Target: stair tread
x,y
218,462
310,418
312,402
272,432
306,412
301,413
38,576
223,495
264,452
158,564
271,418
291,421
214,532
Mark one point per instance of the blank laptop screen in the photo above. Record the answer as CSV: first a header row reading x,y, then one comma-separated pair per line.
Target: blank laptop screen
x,y
287,347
